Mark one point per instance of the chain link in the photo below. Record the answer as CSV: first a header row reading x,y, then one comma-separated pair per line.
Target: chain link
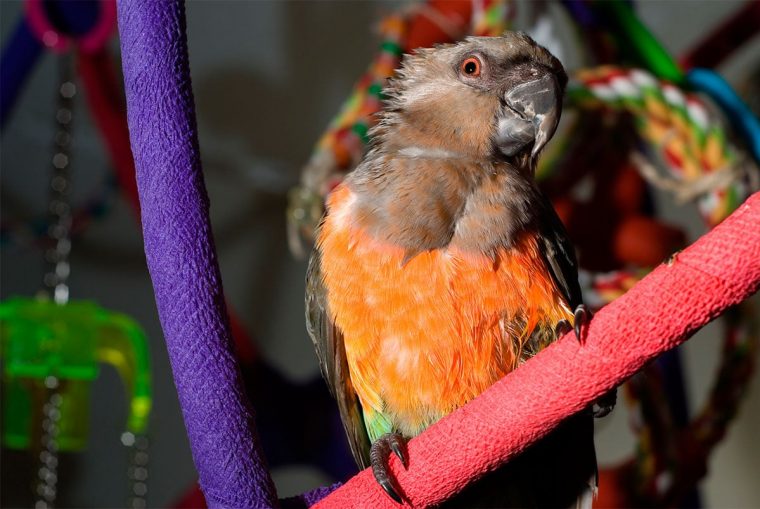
x,y
138,469
47,475
56,278
56,282
59,208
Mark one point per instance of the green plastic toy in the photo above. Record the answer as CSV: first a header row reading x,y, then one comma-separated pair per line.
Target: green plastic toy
x,y
42,341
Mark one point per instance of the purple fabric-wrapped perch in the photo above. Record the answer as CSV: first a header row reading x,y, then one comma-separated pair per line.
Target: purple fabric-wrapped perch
x,y
181,257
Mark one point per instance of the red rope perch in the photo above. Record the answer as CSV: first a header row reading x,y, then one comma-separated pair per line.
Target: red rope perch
x,y
662,311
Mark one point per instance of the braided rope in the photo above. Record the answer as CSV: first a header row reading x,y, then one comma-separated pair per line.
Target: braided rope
x,y
681,132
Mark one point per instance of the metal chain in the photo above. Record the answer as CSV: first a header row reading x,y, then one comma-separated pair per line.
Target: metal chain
x,y
56,278
138,469
56,282
57,255
48,473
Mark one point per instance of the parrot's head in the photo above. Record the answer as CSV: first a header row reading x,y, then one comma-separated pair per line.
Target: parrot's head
x,y
485,97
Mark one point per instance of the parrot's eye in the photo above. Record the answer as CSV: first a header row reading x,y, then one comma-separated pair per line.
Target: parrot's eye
x,y
471,67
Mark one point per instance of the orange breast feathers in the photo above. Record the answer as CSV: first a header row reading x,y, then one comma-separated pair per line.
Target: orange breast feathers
x,y
425,337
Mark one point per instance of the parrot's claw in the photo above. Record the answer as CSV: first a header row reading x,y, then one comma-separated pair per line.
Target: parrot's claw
x,y
582,317
604,405
562,327
378,455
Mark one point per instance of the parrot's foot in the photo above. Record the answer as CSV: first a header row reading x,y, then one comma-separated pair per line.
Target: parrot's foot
x,y
379,454
562,328
605,404
582,317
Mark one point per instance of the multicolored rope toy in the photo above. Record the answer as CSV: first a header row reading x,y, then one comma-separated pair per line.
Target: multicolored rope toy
x,y
680,132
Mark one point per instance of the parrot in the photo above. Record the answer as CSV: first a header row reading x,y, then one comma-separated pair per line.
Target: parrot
x,y
439,266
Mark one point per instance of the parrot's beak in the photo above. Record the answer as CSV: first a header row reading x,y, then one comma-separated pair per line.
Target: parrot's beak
x,y
531,115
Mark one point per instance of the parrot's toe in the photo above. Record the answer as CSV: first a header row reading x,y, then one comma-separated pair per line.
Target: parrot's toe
x,y
605,404
562,328
379,454
582,317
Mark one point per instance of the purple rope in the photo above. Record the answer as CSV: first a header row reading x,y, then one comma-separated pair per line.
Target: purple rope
x,y
182,259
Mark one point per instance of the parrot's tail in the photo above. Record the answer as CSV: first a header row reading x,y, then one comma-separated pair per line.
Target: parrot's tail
x,y
557,471
586,499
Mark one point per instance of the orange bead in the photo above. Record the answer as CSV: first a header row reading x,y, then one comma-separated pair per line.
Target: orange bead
x,y
424,32
645,242
628,190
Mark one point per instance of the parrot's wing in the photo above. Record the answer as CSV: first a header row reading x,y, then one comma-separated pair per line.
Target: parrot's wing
x,y
328,342
559,254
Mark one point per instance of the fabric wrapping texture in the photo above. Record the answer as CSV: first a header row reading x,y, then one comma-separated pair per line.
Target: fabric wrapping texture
x,y
182,259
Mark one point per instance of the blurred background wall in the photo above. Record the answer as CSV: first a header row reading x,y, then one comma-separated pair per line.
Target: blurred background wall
x,y
267,77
